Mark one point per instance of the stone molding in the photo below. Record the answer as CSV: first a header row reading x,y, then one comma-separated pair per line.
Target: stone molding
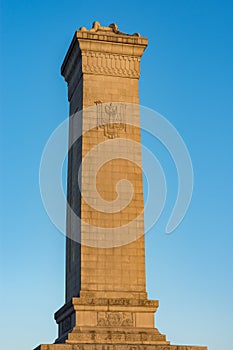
x,y
117,337
105,63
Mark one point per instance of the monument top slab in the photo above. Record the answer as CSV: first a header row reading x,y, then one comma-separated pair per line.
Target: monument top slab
x,y
111,30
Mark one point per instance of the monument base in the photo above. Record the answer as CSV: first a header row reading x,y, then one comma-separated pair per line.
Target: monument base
x,y
110,321
118,347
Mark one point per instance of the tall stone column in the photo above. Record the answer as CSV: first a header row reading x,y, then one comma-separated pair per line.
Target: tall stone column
x,y
106,301
102,69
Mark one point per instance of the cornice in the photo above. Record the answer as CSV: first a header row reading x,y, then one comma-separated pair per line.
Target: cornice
x,y
103,50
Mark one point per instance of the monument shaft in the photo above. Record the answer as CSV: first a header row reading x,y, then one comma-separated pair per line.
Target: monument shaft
x,y
101,69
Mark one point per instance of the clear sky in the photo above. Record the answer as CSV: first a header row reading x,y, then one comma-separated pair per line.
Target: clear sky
x,y
187,77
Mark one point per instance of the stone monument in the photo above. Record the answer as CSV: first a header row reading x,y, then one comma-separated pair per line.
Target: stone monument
x,y
106,304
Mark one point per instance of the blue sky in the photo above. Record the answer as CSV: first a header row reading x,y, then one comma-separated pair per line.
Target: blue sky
x,y
187,77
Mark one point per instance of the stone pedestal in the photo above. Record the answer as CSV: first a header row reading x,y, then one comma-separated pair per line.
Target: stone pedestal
x,y
117,323
106,301
121,319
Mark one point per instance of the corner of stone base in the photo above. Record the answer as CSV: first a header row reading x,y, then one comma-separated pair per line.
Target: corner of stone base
x,y
55,347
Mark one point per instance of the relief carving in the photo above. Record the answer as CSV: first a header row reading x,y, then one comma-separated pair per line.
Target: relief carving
x,y
108,347
111,118
110,64
115,319
119,301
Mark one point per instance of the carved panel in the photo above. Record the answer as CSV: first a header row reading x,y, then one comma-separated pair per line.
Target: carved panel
x,y
115,319
94,62
111,118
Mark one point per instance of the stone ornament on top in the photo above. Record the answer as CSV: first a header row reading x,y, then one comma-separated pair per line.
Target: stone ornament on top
x,y
96,27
